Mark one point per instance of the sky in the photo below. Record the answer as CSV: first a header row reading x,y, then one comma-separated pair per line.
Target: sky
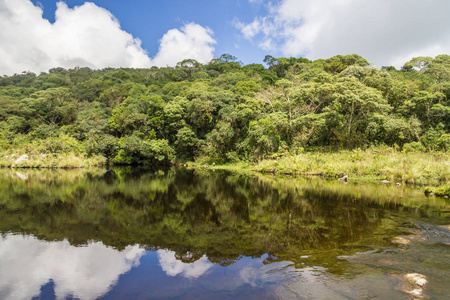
x,y
37,35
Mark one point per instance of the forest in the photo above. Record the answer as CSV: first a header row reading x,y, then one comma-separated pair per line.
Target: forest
x,y
224,111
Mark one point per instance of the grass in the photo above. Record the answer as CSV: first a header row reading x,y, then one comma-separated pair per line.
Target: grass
x,y
431,168
378,163
60,160
443,190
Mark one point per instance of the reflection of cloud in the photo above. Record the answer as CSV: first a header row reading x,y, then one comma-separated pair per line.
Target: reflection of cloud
x,y
88,272
173,267
278,272
261,275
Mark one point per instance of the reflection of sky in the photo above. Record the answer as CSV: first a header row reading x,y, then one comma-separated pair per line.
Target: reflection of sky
x,y
87,272
97,271
93,271
172,266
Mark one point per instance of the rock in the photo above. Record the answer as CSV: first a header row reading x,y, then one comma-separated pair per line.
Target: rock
x,y
411,284
400,240
417,279
22,158
343,179
385,181
387,262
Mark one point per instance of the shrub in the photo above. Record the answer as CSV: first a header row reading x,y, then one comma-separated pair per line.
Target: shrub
x,y
413,147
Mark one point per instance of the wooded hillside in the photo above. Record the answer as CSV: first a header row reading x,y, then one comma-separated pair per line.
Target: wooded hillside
x,y
224,111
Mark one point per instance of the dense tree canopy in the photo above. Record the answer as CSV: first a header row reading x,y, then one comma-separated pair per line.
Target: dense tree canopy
x,y
226,111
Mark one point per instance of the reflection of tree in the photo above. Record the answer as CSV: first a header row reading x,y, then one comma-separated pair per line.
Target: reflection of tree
x,y
193,213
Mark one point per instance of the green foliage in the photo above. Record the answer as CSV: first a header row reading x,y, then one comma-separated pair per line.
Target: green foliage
x,y
263,138
413,147
101,144
339,63
224,111
443,142
186,143
134,150
443,190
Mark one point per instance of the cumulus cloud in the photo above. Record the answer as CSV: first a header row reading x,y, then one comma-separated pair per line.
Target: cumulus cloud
x,y
385,32
192,41
86,36
88,272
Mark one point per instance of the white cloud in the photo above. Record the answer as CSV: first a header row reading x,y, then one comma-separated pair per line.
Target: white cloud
x,y
86,35
251,29
385,32
193,41
172,266
88,272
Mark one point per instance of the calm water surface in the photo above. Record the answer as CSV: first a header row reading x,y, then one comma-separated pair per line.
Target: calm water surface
x,y
178,234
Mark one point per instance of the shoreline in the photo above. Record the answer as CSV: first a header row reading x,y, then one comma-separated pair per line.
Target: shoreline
x,y
430,170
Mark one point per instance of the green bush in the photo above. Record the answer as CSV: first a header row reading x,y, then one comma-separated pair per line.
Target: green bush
x,y
413,147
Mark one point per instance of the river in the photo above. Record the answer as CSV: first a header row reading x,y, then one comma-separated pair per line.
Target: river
x,y
131,233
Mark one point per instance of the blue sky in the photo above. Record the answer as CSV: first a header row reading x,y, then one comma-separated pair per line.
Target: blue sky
x,y
38,35
149,20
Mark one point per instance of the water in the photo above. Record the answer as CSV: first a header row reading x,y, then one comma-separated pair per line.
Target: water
x,y
178,234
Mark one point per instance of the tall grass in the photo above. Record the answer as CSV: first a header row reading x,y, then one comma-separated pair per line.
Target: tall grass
x,y
60,160
381,163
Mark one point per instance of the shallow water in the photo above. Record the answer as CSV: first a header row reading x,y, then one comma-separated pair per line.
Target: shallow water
x,y
178,234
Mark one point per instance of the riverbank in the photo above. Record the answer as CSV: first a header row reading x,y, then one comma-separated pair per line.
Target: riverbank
x,y
393,167
384,164
51,160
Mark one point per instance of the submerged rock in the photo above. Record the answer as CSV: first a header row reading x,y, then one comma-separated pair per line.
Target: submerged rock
x,y
402,241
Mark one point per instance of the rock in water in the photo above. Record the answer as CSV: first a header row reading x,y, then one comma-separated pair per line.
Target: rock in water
x,y
22,158
417,279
